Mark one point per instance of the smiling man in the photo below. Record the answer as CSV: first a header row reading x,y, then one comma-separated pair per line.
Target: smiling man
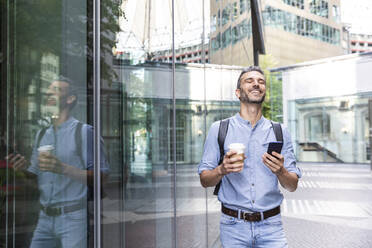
x,y
249,191
64,173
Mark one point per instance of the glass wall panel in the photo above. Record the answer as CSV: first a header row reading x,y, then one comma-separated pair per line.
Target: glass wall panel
x,y
156,106
295,3
220,83
190,195
331,129
46,138
191,201
136,111
243,6
319,7
296,24
220,103
226,14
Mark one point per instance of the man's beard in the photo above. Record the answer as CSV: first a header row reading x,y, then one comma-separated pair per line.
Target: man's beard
x,y
245,98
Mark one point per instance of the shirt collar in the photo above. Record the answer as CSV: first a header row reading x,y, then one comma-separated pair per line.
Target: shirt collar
x,y
243,121
67,123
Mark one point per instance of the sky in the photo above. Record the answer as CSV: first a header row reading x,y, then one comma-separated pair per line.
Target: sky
x,y
359,14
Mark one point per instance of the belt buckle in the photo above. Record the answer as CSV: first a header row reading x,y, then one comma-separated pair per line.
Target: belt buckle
x,y
53,211
252,217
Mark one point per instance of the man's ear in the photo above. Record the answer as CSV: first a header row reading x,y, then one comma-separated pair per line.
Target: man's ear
x,y
237,93
71,99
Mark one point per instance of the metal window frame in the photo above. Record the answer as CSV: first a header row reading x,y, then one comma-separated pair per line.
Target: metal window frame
x,y
96,122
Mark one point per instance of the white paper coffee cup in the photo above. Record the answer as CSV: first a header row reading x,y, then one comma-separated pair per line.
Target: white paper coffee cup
x,y
239,149
45,149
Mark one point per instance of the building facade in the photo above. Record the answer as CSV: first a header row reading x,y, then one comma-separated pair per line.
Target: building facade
x,y
360,43
294,30
189,54
328,116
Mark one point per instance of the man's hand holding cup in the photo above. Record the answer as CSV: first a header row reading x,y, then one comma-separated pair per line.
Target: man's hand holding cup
x,y
233,160
49,162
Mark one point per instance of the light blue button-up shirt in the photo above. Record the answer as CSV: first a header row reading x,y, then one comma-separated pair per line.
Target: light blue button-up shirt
x,y
256,187
61,190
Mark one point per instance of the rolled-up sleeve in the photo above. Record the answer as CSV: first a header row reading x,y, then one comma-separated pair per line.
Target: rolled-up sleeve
x,y
288,153
211,154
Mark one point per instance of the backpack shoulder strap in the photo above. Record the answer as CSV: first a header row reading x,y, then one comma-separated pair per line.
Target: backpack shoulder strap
x,y
78,141
41,135
222,132
278,131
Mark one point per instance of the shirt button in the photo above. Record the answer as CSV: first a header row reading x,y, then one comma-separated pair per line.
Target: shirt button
x,y
252,184
252,201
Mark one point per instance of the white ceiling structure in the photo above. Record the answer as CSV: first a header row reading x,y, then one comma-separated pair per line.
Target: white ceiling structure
x,y
147,25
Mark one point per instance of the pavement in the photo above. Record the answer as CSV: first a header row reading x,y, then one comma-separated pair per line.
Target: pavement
x,y
332,207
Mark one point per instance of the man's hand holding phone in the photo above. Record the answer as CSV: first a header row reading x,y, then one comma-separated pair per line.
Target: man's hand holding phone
x,y
17,161
273,159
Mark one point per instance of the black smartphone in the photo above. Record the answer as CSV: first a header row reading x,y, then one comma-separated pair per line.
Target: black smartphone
x,y
275,147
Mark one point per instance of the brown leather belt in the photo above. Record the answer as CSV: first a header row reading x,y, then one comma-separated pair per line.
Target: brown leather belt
x,y
252,217
57,211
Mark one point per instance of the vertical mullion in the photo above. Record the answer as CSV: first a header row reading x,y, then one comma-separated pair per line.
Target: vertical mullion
x,y
204,116
11,111
8,120
14,111
96,123
174,136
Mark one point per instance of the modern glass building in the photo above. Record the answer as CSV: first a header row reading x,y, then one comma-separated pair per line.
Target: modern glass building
x,y
128,176
326,107
295,31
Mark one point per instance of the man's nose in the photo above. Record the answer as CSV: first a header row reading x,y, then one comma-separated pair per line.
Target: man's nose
x,y
49,91
255,83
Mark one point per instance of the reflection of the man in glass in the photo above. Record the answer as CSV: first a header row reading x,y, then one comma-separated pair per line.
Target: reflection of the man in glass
x,y
62,160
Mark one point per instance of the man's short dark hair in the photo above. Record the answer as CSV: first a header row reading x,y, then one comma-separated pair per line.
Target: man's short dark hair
x,y
249,69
